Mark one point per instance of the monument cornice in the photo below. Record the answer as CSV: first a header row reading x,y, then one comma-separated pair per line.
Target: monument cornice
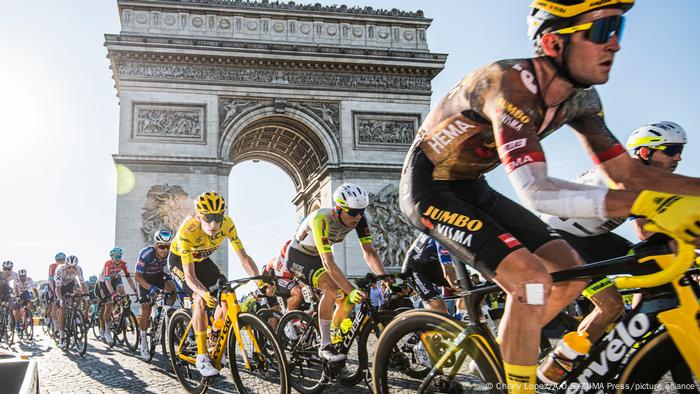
x,y
280,8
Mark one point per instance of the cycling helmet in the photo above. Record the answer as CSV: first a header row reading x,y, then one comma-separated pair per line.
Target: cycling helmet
x,y
60,256
210,202
117,251
7,264
657,134
546,13
163,236
350,195
72,261
92,279
22,272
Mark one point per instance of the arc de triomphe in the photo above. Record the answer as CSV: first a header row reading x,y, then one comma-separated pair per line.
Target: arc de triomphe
x,y
330,94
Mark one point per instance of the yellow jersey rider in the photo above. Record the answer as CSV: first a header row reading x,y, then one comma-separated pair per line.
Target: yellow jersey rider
x,y
310,257
199,236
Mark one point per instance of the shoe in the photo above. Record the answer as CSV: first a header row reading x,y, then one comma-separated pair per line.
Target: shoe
x,y
145,352
330,355
62,343
336,335
108,336
291,332
204,366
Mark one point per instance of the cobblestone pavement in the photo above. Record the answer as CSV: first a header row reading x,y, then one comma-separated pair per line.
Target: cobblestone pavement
x,y
116,370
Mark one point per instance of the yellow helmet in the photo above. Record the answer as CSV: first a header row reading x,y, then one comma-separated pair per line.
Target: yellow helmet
x,y
210,202
546,12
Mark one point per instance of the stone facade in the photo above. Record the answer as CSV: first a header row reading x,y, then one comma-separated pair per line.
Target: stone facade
x,y
329,94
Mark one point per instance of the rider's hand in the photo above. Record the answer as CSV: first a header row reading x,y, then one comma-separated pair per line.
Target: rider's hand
x,y
153,291
209,299
356,296
677,215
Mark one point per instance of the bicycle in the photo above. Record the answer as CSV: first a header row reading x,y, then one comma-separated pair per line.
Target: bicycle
x,y
7,321
254,356
75,330
94,318
26,321
158,324
124,328
300,338
663,327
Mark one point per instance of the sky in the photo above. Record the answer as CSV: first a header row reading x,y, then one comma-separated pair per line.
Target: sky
x,y
59,116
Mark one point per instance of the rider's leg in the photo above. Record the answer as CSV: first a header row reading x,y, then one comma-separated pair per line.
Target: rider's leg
x,y
608,306
436,304
199,323
342,309
329,289
295,299
170,288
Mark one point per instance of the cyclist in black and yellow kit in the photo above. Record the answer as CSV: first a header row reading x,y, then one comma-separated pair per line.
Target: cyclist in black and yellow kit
x,y
497,115
199,236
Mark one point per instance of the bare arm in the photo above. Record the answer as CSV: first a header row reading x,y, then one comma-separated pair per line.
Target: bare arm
x,y
192,281
449,272
630,174
141,281
247,263
336,274
372,259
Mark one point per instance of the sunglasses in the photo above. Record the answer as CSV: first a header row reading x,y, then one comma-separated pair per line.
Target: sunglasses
x,y
116,256
163,246
213,217
600,30
670,150
354,212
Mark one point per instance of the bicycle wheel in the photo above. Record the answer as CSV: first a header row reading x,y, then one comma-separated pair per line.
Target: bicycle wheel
x,y
358,360
300,339
46,322
163,336
422,337
271,317
10,327
79,340
645,373
28,328
266,368
186,373
152,335
95,323
130,331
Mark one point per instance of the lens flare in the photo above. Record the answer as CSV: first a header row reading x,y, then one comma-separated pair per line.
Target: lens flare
x,y
125,179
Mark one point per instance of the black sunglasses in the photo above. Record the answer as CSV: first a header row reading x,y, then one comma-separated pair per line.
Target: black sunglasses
x,y
213,217
354,212
600,30
670,150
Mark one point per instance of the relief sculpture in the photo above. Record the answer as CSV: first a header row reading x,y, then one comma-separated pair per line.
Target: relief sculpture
x,y
391,231
166,206
162,121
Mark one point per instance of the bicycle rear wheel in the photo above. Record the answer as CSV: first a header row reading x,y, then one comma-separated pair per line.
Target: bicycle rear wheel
x,y
266,369
186,372
9,327
299,337
28,328
419,339
364,345
80,334
130,331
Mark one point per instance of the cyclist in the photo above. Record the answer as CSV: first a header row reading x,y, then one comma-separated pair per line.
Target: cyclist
x,y
7,276
498,114
23,293
152,278
67,276
111,283
198,237
59,259
287,287
421,259
593,239
310,259
102,295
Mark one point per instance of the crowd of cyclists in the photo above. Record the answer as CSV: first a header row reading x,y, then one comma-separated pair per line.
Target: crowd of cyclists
x,y
495,115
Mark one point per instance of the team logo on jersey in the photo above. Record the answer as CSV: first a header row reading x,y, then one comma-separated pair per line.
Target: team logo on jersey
x,y
453,219
444,137
510,241
513,110
511,146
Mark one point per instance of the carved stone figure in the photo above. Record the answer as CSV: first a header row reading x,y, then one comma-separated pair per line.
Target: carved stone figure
x,y
392,233
327,112
166,206
233,107
163,122
385,131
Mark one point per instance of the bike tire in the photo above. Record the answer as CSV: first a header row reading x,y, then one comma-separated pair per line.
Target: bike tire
x,y
372,328
29,327
152,339
46,322
270,364
186,373
301,353
479,350
266,314
644,371
79,334
165,320
10,328
130,331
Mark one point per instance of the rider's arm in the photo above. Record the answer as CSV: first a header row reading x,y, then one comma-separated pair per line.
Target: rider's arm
x,y
129,279
368,250
237,245
81,280
141,281
638,225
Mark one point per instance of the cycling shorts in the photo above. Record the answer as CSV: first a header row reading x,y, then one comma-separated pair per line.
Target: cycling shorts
x,y
428,281
100,293
478,225
305,267
283,289
158,280
206,272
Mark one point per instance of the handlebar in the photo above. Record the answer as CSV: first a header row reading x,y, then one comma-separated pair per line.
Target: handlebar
x,y
669,272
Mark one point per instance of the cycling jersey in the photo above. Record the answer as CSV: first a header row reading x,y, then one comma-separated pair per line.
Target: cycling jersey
x,y
148,263
24,286
67,276
421,260
278,265
52,271
193,245
111,270
496,115
585,227
8,276
322,228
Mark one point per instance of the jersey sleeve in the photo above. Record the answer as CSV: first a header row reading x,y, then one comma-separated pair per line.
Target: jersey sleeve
x,y
363,231
58,277
79,274
106,275
52,271
594,134
125,268
144,256
236,242
320,229
186,246
443,254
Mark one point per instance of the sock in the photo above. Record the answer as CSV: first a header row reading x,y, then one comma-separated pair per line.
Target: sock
x,y
325,327
201,338
520,378
143,333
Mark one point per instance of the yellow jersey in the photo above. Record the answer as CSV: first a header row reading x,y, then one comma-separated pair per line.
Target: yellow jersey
x,y
193,245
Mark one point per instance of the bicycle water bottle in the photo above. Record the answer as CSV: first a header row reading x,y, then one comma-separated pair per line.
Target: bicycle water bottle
x,y
561,361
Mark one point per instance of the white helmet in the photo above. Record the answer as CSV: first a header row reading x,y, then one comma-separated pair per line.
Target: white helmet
x,y
72,261
657,134
164,236
22,272
352,196
7,264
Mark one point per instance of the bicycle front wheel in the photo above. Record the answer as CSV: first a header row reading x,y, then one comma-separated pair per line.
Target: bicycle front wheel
x,y
130,331
299,337
80,334
423,340
265,370
28,326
